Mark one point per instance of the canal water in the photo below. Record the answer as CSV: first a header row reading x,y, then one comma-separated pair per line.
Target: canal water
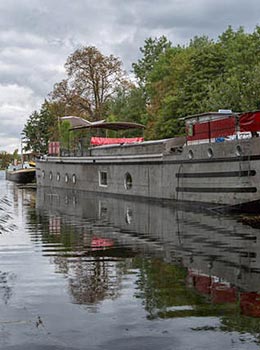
x,y
78,271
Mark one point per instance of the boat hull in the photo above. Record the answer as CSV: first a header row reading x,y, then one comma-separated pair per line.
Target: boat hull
x,y
21,175
221,174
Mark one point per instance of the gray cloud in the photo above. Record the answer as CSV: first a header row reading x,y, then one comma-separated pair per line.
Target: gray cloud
x,y
36,37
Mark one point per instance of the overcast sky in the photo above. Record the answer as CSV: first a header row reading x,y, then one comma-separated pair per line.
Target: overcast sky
x,y
36,37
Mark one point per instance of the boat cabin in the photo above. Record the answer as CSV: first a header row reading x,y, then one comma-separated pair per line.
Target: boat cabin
x,y
221,126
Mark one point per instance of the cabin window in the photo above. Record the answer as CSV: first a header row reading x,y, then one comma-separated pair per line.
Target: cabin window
x,y
58,177
103,178
190,154
210,153
190,130
128,181
51,175
74,178
66,178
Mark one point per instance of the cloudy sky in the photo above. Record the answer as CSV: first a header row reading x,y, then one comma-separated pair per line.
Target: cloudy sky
x,y
36,37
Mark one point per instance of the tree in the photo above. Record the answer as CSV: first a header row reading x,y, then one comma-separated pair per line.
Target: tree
x,y
40,128
5,159
151,52
92,80
206,75
128,105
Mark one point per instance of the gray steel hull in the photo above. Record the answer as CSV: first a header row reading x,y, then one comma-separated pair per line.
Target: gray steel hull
x,y
220,174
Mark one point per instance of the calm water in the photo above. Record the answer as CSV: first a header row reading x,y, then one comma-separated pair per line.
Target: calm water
x,y
84,272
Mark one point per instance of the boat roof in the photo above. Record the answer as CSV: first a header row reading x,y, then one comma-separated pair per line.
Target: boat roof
x,y
111,126
75,121
211,114
221,113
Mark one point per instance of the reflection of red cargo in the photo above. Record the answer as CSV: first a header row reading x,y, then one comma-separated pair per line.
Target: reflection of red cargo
x,y
223,293
250,304
202,283
54,225
101,242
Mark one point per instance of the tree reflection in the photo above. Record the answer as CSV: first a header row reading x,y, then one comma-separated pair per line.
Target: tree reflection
x,y
89,262
94,281
6,288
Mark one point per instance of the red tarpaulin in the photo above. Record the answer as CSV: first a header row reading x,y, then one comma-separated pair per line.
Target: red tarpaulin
x,y
250,121
99,141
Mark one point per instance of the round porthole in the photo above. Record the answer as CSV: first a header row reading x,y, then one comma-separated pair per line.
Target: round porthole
x,y
74,178
66,178
238,150
51,175
128,181
43,174
190,154
58,177
210,153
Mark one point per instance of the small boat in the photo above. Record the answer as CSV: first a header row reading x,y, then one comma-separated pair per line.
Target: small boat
x,y
21,173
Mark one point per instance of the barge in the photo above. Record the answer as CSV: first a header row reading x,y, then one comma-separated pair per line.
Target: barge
x,y
216,164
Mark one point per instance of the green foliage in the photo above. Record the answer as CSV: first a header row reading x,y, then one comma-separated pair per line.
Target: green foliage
x,y
68,139
128,105
15,154
5,159
151,51
173,82
40,128
206,75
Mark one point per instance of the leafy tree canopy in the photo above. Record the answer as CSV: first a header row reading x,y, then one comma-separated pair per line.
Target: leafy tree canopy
x,y
170,83
40,128
92,79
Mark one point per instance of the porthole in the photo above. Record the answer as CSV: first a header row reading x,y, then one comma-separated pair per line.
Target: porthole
x,y
74,178
51,175
238,150
210,152
66,178
190,154
43,174
128,182
58,177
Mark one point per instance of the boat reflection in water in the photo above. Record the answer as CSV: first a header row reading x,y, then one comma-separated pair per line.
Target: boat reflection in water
x,y
210,261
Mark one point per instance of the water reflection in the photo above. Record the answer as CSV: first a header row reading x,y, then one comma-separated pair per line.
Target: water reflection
x,y
214,259
145,274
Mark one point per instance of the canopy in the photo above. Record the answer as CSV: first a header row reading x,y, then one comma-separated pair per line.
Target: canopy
x,y
111,126
76,121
